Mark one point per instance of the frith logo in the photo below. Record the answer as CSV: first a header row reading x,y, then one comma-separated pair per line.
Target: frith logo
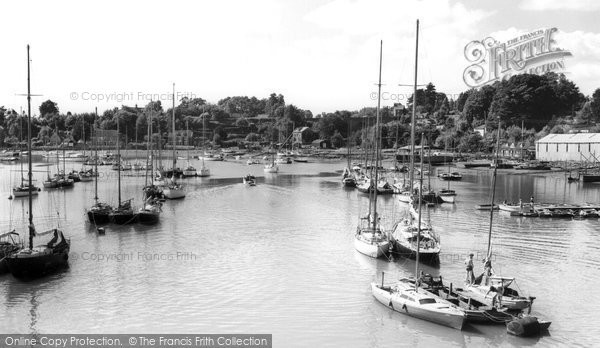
x,y
533,53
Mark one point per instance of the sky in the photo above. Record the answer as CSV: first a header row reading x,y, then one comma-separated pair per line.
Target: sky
x,y
321,55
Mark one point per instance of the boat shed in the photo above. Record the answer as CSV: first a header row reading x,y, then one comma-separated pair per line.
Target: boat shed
x,y
568,147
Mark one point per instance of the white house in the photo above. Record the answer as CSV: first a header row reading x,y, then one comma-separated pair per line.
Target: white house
x,y
568,147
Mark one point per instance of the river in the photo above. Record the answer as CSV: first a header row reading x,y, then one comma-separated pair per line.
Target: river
x,y
279,258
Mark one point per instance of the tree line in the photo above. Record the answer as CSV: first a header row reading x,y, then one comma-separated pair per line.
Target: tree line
x,y
527,107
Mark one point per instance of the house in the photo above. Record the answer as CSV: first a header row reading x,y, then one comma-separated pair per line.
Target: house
x,y
321,144
480,129
299,136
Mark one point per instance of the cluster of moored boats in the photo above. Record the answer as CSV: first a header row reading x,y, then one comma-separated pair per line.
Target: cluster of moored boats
x,y
551,210
487,298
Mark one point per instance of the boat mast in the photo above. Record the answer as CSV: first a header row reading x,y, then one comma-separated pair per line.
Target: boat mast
x,y
96,159
20,140
148,148
419,221
489,248
118,158
30,173
413,117
377,140
173,133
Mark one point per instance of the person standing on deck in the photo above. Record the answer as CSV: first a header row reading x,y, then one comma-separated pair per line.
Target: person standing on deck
x,y
469,264
487,270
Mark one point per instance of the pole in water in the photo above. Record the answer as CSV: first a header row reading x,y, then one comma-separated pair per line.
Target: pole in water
x,y
382,278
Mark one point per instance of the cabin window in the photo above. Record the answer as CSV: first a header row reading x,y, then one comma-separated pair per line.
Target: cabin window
x,y
427,301
567,147
546,147
578,147
407,297
556,147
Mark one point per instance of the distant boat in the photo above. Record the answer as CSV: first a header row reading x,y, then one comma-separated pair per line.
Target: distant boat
x,y
454,176
172,189
249,180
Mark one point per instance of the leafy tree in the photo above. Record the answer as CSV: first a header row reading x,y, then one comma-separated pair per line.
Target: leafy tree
x,y
48,108
595,106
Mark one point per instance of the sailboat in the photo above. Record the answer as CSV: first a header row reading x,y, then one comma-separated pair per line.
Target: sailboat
x,y
173,190
204,170
447,195
34,261
412,235
149,213
189,169
137,166
370,238
489,289
404,296
123,214
99,213
348,177
271,166
23,189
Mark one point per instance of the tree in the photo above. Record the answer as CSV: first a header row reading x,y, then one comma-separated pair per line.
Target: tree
x,y
477,105
595,106
48,108
337,140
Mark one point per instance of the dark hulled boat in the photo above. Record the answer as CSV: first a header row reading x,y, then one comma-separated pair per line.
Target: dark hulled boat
x,y
34,261
150,213
40,260
99,213
124,214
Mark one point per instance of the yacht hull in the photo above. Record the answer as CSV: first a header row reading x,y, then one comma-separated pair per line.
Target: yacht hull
x,y
401,305
31,267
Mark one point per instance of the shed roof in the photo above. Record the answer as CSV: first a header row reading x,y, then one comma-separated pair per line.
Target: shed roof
x,y
576,138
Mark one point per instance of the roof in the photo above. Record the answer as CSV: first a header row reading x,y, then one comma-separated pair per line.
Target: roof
x,y
300,129
576,138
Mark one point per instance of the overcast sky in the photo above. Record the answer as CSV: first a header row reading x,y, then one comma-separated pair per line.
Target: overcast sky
x,y
321,55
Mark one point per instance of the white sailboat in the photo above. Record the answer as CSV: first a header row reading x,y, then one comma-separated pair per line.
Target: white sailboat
x,y
271,166
189,169
204,170
172,189
370,238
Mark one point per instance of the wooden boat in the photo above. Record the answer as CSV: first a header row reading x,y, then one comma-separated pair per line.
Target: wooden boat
x,y
41,259
249,180
172,189
494,291
487,207
476,312
454,176
447,195
99,213
527,326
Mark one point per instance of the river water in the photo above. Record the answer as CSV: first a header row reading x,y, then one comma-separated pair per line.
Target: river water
x,y
279,258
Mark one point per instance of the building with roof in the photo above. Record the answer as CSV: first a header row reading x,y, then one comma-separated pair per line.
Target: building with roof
x,y
568,147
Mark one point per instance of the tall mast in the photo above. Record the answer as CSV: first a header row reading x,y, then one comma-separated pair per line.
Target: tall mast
x,y
20,140
173,133
489,249
148,148
187,135
96,159
377,140
414,112
118,158
30,173
419,221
